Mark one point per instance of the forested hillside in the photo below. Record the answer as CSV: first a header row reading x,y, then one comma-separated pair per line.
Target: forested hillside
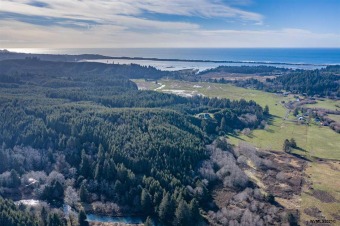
x,y
83,132
316,82
311,83
9,55
264,70
52,69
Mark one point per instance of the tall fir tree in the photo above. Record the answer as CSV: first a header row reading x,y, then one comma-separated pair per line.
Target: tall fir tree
x,y
82,218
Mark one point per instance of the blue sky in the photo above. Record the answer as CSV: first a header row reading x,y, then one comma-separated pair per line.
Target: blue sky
x,y
169,23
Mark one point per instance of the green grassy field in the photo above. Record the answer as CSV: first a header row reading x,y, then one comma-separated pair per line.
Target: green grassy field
x,y
324,177
326,104
321,142
334,117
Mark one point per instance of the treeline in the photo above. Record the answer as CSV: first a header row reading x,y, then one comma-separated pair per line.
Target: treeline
x,y
310,82
306,82
7,55
332,69
264,70
50,69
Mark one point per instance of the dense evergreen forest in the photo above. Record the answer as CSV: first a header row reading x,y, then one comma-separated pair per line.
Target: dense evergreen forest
x,y
311,82
11,215
263,70
84,132
332,69
9,55
81,70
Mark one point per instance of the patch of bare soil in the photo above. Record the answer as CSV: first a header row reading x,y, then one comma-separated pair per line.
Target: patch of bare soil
x,y
293,203
323,196
285,175
314,212
222,196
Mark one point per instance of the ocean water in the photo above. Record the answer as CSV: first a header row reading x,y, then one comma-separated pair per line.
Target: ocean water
x,y
199,66
305,58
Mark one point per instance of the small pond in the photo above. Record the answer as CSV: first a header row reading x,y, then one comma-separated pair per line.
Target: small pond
x,y
107,219
90,217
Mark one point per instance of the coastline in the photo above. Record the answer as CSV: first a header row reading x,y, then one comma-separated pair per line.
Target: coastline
x,y
161,55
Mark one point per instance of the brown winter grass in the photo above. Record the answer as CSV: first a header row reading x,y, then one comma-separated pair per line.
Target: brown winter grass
x,y
324,177
334,117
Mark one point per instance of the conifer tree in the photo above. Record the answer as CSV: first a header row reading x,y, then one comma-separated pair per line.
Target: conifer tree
x,y
223,126
286,146
146,201
83,193
82,218
85,167
194,210
266,110
148,222
293,143
182,214
166,209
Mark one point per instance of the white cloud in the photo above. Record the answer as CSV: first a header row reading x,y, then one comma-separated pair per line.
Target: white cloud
x,y
105,11
117,23
22,35
202,8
